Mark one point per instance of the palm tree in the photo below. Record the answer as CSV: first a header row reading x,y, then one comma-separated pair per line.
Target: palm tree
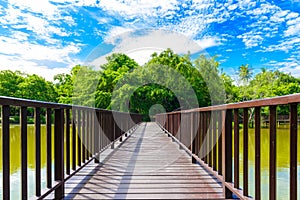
x,y
245,74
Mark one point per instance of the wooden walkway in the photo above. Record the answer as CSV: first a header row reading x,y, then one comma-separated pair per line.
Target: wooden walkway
x,y
147,165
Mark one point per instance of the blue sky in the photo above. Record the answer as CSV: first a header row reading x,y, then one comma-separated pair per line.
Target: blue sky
x,y
48,37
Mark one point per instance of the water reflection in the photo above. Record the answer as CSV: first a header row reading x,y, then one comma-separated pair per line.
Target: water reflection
x,y
283,145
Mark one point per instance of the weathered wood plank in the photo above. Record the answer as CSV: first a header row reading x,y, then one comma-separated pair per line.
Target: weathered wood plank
x,y
148,165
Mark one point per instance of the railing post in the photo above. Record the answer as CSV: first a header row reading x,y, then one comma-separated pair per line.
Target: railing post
x,y
245,156
113,134
193,138
79,139
214,128
220,145
68,122
236,148
83,136
74,136
257,154
293,151
96,136
272,176
24,178
59,153
37,122
49,147
5,152
227,150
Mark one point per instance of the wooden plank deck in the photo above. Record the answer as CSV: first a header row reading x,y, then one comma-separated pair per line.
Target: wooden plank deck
x,y
148,165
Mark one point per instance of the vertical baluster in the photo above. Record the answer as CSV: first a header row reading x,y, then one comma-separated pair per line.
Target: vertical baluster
x,y
202,137
79,139
101,130
257,153
198,135
120,129
59,152
214,129
68,141
245,159
227,150
205,140
87,135
24,152
220,143
96,136
272,175
74,136
209,132
293,151
92,134
193,139
83,136
49,147
236,148
5,152
37,122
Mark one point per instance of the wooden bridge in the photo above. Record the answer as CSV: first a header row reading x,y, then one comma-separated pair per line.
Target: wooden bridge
x,y
147,165
101,154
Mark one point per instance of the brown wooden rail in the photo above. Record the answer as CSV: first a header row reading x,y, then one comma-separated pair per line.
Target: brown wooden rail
x,y
210,132
93,130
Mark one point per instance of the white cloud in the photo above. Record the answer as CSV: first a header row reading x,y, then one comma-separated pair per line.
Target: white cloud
x,y
285,45
293,30
208,42
290,67
139,8
251,39
37,49
155,41
43,7
143,55
29,51
16,63
292,15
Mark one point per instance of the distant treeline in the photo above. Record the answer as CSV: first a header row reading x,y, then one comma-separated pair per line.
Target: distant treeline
x,y
87,86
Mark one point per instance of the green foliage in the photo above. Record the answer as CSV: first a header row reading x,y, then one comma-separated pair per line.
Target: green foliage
x,y
165,80
9,82
37,88
116,67
184,66
21,85
156,83
231,90
213,89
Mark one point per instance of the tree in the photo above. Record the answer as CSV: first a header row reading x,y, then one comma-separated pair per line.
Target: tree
x,y
9,82
37,88
245,73
209,70
167,79
116,67
231,90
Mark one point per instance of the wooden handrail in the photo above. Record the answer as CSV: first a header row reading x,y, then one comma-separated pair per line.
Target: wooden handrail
x,y
212,131
281,100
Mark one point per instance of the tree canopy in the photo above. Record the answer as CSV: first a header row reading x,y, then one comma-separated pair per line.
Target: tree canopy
x,y
167,79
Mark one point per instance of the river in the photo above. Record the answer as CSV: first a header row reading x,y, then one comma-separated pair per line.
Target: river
x,y
282,161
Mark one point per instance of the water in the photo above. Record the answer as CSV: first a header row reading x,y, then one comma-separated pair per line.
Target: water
x,y
282,161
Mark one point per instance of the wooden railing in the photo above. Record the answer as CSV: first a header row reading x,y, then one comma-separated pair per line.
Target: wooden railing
x,y
210,133
91,130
